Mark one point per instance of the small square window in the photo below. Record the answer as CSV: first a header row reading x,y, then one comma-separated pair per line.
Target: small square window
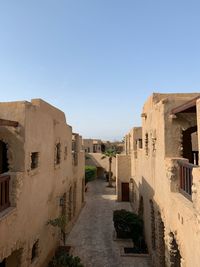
x,y
34,160
34,252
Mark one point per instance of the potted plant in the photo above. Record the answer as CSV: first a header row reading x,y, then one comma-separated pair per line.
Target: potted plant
x,y
62,257
61,223
128,225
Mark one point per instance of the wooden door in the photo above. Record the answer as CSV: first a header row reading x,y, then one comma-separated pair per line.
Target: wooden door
x,y
125,191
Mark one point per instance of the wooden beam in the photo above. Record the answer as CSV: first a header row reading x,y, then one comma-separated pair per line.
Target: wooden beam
x,y
8,123
189,106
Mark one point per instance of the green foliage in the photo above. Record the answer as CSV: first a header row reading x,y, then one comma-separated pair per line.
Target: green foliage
x,y
90,173
87,156
59,222
128,225
63,259
109,153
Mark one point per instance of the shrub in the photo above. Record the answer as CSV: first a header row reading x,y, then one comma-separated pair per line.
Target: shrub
x,y
90,173
128,225
61,223
63,259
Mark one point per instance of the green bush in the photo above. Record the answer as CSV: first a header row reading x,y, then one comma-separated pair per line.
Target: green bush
x,y
90,173
128,225
63,259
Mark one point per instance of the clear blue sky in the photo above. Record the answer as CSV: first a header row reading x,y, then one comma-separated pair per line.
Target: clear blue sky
x,y
98,60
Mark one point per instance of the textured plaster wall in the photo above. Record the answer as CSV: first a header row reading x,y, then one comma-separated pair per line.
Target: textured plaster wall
x,y
94,159
154,169
123,172
36,193
88,144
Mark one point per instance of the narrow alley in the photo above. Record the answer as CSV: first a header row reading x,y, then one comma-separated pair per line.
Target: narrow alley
x,y
92,236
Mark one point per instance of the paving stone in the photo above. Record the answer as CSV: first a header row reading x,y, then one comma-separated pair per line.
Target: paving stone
x,y
92,235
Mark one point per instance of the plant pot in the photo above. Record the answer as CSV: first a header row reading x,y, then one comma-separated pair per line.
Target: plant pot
x,y
63,249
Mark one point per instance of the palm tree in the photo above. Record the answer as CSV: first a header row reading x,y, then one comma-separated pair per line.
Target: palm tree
x,y
110,154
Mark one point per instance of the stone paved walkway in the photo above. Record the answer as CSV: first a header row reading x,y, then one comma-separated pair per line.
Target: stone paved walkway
x,y
92,235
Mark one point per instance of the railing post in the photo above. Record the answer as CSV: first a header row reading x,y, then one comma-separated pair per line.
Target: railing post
x,y
186,178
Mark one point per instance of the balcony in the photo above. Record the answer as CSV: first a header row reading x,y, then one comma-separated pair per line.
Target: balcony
x,y
186,178
180,175
4,192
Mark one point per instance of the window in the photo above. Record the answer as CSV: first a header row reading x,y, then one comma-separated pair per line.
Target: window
x,y
34,253
139,143
154,144
73,145
34,160
146,144
58,153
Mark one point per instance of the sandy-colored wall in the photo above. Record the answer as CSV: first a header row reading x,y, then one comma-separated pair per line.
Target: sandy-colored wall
x,y
88,145
123,172
94,159
154,169
37,192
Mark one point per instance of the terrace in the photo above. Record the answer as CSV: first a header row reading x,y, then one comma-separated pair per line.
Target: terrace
x,y
186,115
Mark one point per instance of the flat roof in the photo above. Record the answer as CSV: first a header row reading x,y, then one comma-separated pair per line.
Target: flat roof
x,y
187,107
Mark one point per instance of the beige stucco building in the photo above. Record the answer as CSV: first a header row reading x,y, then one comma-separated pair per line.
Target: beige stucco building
x,y
92,145
41,178
160,174
100,146
102,165
94,149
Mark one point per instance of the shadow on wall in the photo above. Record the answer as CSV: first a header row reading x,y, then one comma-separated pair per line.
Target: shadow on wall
x,y
100,172
145,189
153,224
155,232
15,149
91,161
94,159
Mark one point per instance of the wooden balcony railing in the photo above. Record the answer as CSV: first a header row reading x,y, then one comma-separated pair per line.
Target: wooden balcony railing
x,y
186,178
4,192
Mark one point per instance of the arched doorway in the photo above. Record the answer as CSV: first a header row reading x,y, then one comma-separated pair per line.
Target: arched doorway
x,y
3,157
4,178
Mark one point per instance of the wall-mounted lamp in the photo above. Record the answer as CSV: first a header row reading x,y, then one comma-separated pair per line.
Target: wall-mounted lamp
x,y
62,202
